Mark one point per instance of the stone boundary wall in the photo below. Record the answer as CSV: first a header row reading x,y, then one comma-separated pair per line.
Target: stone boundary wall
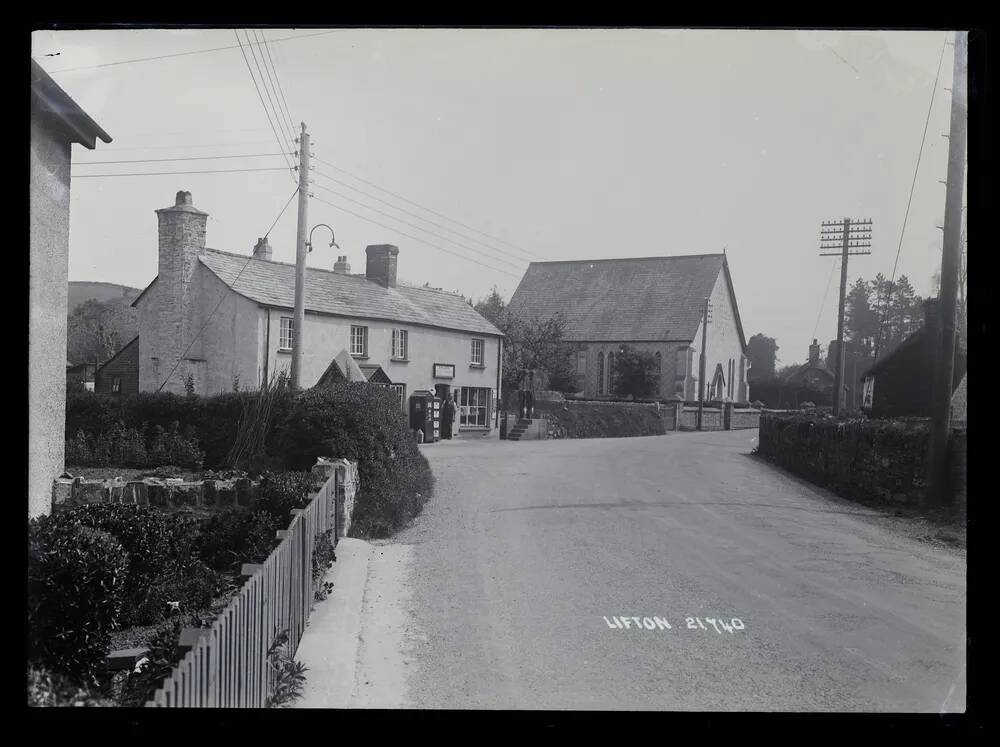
x,y
169,493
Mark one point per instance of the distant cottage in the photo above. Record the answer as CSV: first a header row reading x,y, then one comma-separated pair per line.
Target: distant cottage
x,y
652,304
901,382
213,318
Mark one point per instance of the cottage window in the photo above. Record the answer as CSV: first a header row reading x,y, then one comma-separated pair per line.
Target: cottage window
x,y
477,352
581,363
359,340
600,373
400,390
399,344
286,336
116,384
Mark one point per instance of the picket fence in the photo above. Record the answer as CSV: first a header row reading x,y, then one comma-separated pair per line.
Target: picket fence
x,y
227,665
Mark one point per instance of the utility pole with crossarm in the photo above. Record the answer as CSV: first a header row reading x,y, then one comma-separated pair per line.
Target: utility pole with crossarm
x,y
849,237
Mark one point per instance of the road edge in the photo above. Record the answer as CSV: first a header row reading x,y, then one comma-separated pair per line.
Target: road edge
x,y
330,643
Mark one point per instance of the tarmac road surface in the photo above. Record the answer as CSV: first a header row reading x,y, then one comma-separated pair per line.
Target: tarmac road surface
x,y
543,575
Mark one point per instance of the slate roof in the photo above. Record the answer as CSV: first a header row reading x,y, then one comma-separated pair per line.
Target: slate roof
x,y
328,292
620,300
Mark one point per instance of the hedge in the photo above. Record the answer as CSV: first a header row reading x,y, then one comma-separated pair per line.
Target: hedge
x,y
869,460
599,419
355,421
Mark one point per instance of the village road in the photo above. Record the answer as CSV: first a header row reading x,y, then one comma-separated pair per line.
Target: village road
x,y
511,590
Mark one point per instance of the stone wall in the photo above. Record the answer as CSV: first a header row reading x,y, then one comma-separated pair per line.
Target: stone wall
x,y
167,493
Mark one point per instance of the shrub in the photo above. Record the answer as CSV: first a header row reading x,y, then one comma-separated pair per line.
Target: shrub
x,y
323,557
76,583
280,493
289,674
50,690
635,373
144,535
236,536
160,661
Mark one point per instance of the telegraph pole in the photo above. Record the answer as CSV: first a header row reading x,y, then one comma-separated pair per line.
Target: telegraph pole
x,y
854,237
299,317
951,258
706,318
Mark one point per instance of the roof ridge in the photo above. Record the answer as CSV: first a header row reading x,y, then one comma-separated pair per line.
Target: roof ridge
x,y
627,259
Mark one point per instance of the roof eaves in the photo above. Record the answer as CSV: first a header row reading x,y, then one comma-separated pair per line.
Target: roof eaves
x,y
60,104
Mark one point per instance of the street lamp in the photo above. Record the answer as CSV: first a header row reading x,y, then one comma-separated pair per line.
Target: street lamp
x,y
333,242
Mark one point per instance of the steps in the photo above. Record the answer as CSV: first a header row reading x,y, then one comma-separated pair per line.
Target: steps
x,y
522,425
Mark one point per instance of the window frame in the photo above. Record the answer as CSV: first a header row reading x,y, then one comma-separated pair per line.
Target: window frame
x,y
475,403
400,343
116,384
364,340
482,352
282,329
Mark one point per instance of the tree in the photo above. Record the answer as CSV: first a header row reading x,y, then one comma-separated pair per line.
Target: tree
x,y
529,344
763,353
635,373
493,308
96,330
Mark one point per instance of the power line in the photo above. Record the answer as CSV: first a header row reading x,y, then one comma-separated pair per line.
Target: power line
x,y
281,90
429,210
833,266
169,173
222,295
184,158
182,54
281,146
422,241
517,260
909,200
180,146
282,125
407,223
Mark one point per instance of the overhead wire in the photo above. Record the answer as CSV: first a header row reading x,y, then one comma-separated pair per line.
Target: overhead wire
x,y
412,225
501,257
168,173
183,54
179,158
281,90
909,201
429,210
281,146
415,238
282,125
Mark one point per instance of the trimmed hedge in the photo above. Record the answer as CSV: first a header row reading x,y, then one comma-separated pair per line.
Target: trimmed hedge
x,y
599,419
868,460
355,421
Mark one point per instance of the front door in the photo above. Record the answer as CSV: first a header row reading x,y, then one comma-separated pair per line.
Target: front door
x,y
442,391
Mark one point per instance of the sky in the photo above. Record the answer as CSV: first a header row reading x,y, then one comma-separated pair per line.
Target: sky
x,y
527,144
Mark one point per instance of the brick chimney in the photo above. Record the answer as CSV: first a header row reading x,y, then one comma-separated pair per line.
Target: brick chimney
x,y
262,250
381,265
814,353
181,240
341,266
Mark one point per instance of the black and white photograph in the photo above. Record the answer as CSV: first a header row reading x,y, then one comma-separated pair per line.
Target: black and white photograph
x,y
535,369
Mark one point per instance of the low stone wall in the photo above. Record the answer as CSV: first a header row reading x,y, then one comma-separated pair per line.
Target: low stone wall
x,y
743,417
160,493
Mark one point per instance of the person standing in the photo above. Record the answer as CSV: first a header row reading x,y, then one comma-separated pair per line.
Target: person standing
x,y
447,417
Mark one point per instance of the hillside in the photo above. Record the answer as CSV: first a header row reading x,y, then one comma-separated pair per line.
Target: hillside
x,y
82,290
